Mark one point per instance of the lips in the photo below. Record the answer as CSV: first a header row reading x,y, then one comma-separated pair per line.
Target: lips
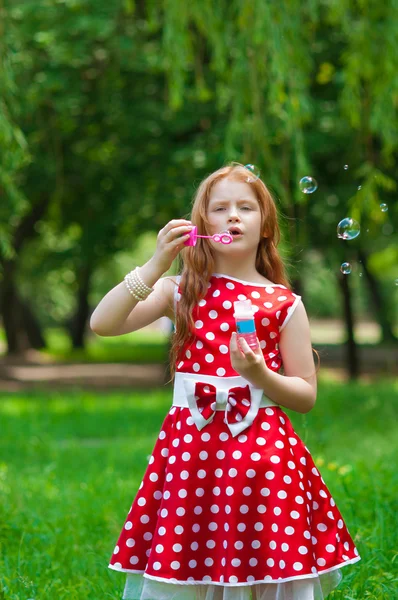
x,y
235,231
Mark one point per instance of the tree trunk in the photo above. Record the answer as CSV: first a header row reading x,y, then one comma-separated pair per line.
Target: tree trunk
x,y
352,350
11,312
32,327
80,318
379,302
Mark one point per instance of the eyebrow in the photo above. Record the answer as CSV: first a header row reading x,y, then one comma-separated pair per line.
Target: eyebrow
x,y
224,201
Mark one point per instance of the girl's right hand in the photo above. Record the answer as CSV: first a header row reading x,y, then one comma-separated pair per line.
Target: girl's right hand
x,y
170,242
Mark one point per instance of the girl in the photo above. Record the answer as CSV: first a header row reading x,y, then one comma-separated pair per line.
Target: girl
x,y
231,506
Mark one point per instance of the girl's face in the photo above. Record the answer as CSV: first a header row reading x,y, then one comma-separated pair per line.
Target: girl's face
x,y
233,206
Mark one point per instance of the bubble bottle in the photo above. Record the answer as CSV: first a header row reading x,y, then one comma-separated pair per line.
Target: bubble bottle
x,y
244,320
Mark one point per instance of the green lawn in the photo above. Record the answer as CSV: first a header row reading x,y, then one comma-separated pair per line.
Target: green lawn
x,y
71,463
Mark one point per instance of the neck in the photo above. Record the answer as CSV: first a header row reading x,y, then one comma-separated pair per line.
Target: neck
x,y
239,268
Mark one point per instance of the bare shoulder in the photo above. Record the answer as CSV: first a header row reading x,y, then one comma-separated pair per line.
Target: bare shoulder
x,y
296,348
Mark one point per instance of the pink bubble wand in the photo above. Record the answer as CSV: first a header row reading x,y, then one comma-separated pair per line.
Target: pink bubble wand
x,y
225,237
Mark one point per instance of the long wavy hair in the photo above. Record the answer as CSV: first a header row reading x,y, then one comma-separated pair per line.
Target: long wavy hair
x,y
198,261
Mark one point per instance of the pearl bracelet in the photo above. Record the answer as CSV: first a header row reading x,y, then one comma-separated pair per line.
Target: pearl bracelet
x,y
137,288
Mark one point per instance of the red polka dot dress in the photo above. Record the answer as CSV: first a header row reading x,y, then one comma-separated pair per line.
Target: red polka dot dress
x,y
231,506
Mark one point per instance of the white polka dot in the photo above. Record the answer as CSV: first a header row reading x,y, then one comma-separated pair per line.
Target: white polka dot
x,y
282,494
199,344
297,566
180,364
277,510
303,550
209,358
198,324
285,547
287,479
128,525
281,298
265,322
216,293
269,475
213,314
289,530
220,371
299,500
261,441
294,514
224,326
224,349
270,562
279,444
321,562
291,464
282,564
330,548
265,426
230,285
340,524
242,297
196,367
255,295
274,527
269,411
255,456
210,335
292,441
269,290
227,304
202,302
321,527
268,304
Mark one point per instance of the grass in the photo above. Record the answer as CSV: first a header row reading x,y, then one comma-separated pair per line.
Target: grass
x,y
71,463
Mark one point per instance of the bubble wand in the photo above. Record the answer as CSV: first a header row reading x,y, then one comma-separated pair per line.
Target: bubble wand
x,y
225,237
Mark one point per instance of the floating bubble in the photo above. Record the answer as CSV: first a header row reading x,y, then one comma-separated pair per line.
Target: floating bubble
x,y
348,229
254,173
345,167
384,207
308,185
359,187
360,274
396,282
345,268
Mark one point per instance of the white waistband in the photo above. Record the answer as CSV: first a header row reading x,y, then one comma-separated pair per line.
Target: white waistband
x,y
222,385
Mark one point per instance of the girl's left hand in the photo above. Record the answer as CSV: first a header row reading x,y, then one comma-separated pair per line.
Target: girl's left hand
x,y
247,362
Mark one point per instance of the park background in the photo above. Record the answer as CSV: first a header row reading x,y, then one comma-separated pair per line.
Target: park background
x,y
111,113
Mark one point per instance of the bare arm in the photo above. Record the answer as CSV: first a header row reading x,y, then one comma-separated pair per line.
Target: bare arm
x,y
297,388
119,312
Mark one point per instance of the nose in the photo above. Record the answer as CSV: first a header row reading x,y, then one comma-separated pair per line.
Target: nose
x,y
233,215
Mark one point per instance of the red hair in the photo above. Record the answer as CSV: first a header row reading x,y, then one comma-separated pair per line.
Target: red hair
x,y
198,261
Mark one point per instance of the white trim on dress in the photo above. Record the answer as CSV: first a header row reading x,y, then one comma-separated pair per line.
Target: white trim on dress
x,y
243,583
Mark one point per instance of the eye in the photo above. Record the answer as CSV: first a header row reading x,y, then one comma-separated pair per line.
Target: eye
x,y
246,208
219,208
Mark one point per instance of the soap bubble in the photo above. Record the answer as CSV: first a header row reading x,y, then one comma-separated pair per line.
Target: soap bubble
x,y
348,229
254,173
345,268
384,207
359,187
345,167
308,185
